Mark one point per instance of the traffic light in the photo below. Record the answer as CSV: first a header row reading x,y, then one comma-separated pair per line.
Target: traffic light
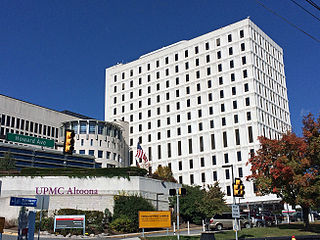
x,y
238,188
182,191
68,146
172,192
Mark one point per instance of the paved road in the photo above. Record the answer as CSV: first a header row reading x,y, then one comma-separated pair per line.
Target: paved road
x,y
196,231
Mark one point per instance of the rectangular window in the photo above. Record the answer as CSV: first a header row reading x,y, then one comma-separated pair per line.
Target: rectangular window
x,y
239,156
229,38
211,124
230,51
250,135
232,77
191,163
203,177
231,64
214,175
227,171
235,118
220,80
190,145
191,179
228,191
196,50
201,144
241,34
245,73
222,107
100,153
218,42
179,148
226,158
242,47
214,160
237,136
248,116
235,106
207,46
240,172
225,141
220,67
186,54
202,164
219,54
247,101
159,151
234,90
180,165
246,87
244,60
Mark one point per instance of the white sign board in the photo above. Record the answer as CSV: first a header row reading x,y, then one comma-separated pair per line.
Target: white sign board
x,y
235,211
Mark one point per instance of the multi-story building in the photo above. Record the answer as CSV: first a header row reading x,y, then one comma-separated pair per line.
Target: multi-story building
x,y
105,141
199,105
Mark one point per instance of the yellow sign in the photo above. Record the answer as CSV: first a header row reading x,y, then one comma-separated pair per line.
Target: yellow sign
x,y
1,224
154,219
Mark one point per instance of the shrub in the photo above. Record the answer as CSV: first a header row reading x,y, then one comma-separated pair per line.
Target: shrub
x,y
129,206
123,224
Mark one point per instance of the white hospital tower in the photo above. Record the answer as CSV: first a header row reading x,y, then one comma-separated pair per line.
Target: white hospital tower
x,y
199,105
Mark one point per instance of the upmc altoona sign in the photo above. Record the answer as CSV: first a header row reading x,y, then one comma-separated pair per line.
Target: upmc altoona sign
x,y
30,140
154,219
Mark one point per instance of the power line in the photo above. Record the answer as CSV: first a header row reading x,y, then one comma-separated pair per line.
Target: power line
x,y
305,10
313,4
287,21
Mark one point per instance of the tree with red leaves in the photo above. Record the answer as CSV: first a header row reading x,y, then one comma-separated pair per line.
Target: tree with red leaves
x,y
289,167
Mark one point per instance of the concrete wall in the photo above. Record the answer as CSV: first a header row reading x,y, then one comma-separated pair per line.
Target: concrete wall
x,y
91,193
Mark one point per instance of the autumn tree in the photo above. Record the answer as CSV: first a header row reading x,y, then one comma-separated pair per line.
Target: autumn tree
x,y
288,167
164,173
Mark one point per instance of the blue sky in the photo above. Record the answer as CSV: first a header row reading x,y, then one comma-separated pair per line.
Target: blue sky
x,y
54,53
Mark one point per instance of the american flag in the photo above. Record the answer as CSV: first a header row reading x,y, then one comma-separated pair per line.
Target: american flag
x,y
140,154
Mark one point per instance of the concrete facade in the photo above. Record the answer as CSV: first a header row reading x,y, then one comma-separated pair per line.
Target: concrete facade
x,y
200,104
109,147
81,193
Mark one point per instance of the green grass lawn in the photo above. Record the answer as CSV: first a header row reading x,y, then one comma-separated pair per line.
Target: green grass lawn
x,y
282,230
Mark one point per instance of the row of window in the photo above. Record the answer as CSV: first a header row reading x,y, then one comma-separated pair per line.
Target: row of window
x,y
101,154
189,127
202,144
214,176
259,39
26,125
92,127
208,72
176,56
188,114
202,162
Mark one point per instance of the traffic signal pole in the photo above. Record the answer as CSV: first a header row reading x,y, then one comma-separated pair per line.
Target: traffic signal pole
x,y
178,213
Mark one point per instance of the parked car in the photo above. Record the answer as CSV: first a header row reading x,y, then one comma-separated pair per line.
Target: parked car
x,y
225,220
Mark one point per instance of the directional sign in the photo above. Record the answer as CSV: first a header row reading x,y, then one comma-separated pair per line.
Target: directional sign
x,y
25,202
235,211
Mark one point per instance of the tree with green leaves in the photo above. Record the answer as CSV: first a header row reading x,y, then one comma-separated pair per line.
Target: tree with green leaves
x,y
289,167
126,210
7,162
200,203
